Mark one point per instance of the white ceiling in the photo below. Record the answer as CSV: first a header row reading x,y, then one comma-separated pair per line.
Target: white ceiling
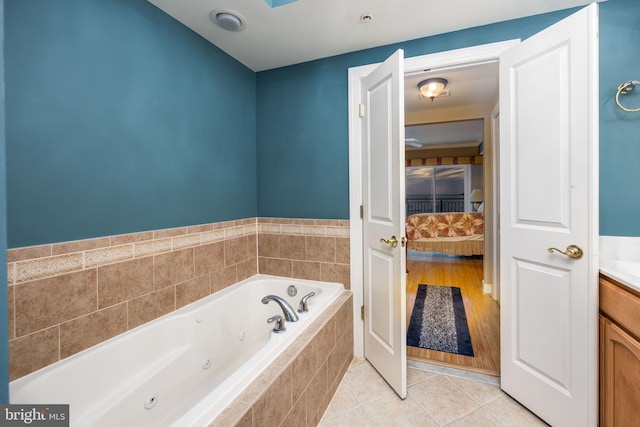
x,y
455,134
305,30
475,85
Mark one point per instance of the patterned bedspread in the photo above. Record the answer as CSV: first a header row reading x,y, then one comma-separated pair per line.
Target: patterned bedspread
x,y
451,233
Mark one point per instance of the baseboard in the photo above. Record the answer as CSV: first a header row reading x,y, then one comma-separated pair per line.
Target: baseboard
x,y
487,288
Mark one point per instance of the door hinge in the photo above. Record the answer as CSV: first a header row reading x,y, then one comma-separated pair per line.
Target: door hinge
x,y
361,211
362,312
361,110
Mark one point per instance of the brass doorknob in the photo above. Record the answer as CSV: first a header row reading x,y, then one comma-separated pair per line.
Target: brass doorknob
x,y
572,251
393,241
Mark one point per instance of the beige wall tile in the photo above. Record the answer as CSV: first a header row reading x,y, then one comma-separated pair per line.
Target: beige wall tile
x,y
238,414
173,267
225,224
344,317
86,331
306,270
277,267
343,251
230,233
292,247
151,306
32,352
125,280
328,222
269,245
192,290
317,389
252,245
269,229
321,249
224,277
339,273
131,238
303,369
245,221
79,245
50,301
303,221
199,228
108,255
209,258
11,273
31,252
325,342
298,415
246,420
247,268
212,236
169,232
152,247
251,229
235,251
275,403
314,230
11,312
187,241
338,232
292,229
48,267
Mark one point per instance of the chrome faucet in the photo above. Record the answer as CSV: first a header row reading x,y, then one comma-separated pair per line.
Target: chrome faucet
x,y
279,328
303,308
289,314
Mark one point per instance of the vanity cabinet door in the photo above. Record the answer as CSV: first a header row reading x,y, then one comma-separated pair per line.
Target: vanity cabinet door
x,y
620,377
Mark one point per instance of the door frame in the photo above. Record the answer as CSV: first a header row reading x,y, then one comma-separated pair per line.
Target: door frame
x,y
441,60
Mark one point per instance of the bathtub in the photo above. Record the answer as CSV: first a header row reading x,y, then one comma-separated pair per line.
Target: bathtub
x,y
181,369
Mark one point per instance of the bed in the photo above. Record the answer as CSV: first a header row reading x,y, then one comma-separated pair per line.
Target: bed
x,y
453,233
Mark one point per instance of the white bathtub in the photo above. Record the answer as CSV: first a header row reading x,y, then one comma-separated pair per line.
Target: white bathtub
x,y
182,369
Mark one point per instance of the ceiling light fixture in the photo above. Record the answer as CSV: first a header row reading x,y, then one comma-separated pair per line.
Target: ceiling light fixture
x,y
432,88
227,19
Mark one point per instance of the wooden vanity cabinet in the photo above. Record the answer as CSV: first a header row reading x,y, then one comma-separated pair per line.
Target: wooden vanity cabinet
x,y
619,355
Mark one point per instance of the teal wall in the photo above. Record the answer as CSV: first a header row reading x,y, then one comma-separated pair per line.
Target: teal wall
x,y
120,119
4,332
619,130
302,129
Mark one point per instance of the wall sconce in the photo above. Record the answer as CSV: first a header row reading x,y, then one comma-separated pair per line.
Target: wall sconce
x,y
431,88
477,197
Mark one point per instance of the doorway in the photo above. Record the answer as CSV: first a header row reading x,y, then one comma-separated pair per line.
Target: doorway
x,y
445,161
473,56
548,315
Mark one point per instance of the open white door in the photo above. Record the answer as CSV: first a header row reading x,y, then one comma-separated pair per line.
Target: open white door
x,y
382,112
548,198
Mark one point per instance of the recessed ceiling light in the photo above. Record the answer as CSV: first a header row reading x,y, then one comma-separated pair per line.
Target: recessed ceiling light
x,y
227,19
366,17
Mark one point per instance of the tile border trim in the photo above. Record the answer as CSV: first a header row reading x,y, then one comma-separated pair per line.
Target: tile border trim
x,y
43,261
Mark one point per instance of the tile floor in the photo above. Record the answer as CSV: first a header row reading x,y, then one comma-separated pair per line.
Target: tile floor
x,y
437,397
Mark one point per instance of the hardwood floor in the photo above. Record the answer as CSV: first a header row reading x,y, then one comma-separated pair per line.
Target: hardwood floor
x,y
483,312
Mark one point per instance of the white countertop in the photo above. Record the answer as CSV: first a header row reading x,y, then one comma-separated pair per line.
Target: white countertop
x,y
620,259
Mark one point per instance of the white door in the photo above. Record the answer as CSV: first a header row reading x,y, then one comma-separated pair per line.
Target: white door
x,y
383,218
548,198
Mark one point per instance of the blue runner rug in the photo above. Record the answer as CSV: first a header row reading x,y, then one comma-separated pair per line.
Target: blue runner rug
x,y
439,322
